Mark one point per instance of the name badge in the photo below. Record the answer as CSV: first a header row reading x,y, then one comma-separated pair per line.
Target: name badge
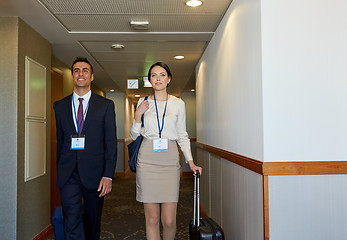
x,y
160,144
77,142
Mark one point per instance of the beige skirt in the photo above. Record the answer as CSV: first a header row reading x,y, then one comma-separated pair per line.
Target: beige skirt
x,y
157,174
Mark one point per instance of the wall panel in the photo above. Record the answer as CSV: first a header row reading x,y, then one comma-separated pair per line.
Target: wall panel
x,y
204,162
242,209
308,207
216,188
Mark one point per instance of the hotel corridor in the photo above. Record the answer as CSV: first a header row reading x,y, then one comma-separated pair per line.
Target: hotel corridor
x,y
123,217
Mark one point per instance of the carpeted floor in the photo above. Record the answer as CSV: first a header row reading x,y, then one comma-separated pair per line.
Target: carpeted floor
x,y
123,217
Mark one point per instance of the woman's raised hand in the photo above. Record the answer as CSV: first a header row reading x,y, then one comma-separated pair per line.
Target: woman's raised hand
x,y
142,108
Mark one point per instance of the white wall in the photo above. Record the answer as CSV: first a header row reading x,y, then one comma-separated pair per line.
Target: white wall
x,y
305,117
190,103
129,111
229,87
304,58
229,117
119,104
8,126
33,197
274,74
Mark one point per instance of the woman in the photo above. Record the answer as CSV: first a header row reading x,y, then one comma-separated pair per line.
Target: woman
x,y
158,167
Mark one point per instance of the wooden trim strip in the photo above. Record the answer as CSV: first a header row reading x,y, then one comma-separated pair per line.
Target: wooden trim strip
x,y
45,233
245,162
279,168
304,168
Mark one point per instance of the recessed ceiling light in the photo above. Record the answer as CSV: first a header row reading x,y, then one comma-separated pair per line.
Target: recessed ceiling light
x,y
117,46
193,90
111,90
194,3
139,25
179,57
137,95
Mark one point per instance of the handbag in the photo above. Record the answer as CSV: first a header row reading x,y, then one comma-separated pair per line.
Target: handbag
x,y
134,147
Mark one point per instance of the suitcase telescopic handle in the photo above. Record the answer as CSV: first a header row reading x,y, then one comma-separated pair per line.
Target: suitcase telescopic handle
x,y
196,217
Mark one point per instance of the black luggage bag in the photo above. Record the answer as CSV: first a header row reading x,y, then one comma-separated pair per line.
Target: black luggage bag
x,y
202,228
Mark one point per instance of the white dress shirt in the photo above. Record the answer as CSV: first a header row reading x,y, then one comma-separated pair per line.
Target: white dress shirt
x,y
174,123
76,104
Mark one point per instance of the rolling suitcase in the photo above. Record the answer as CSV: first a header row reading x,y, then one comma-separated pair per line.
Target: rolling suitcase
x,y
202,228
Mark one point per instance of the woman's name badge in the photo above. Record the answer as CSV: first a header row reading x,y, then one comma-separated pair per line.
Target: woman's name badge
x,y
160,144
77,142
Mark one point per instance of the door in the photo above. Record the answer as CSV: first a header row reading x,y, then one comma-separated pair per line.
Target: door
x,y
57,93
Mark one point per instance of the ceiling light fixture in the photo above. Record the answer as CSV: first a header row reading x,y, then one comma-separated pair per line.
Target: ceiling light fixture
x,y
193,90
111,90
194,3
137,95
139,25
117,46
179,57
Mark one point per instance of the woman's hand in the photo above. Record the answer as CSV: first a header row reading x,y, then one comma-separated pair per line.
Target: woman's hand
x,y
194,168
143,107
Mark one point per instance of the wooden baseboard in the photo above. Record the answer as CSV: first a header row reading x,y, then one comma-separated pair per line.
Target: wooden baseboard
x,y
203,212
119,174
44,234
187,173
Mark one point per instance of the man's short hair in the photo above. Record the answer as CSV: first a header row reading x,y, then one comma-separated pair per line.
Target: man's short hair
x,y
82,59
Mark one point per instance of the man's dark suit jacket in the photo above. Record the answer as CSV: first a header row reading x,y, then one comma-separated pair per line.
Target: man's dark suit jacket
x,y
99,157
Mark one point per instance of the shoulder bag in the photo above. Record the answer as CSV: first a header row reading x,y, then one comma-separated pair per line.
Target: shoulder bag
x,y
133,148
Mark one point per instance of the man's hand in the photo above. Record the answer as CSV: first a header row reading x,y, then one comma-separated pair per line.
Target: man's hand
x,y
105,186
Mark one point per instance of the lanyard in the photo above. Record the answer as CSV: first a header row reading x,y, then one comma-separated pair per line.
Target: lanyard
x,y
156,109
84,114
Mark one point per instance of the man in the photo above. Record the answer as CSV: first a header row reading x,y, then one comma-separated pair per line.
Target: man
x,y
86,154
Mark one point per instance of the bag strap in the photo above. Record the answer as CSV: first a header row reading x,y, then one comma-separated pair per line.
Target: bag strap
x,y
143,114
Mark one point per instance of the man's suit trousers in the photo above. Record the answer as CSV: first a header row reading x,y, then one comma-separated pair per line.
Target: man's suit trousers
x,y
82,219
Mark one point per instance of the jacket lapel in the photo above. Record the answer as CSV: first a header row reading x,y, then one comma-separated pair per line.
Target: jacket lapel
x,y
68,114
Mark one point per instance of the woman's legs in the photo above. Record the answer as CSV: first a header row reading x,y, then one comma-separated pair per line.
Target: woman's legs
x,y
152,214
168,220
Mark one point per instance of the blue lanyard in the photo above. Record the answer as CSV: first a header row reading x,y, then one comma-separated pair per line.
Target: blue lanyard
x,y
162,123
84,114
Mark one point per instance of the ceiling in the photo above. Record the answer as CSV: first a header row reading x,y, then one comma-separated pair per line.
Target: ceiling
x,y
88,28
